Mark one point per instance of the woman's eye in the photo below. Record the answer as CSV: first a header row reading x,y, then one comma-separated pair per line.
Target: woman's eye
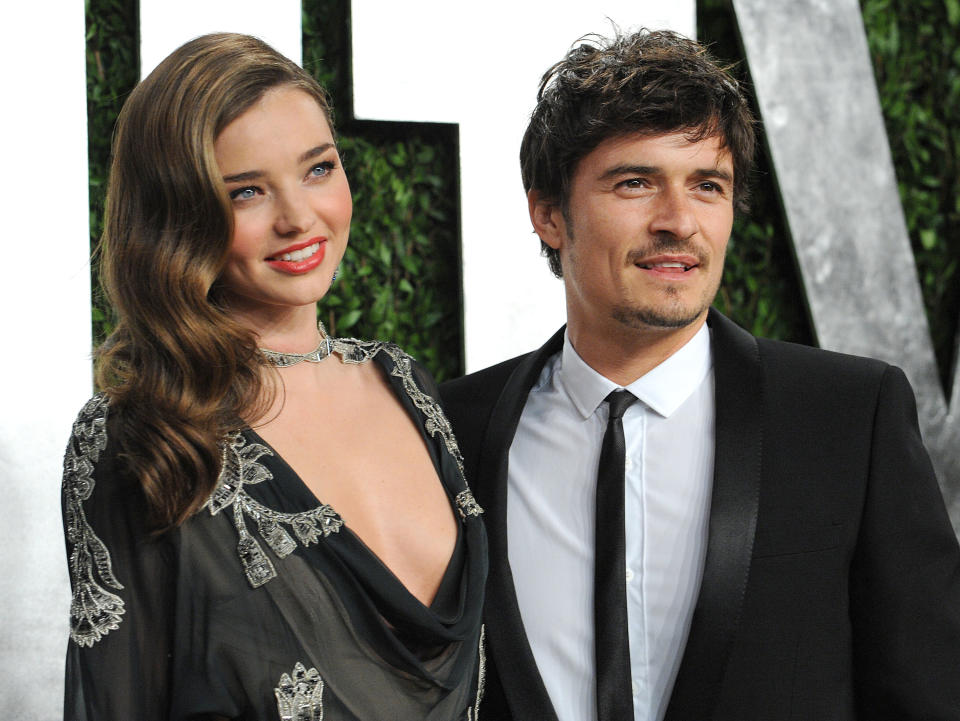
x,y
321,169
243,193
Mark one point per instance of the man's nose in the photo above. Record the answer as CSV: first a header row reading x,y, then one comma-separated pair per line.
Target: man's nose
x,y
674,214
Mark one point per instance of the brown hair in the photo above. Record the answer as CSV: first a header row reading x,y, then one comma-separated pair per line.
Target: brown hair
x,y
648,82
179,371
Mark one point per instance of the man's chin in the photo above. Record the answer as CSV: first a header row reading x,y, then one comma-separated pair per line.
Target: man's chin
x,y
658,318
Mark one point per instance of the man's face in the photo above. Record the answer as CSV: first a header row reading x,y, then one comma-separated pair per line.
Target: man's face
x,y
643,238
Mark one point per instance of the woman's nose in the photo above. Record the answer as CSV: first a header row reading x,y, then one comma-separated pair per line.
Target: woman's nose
x,y
294,214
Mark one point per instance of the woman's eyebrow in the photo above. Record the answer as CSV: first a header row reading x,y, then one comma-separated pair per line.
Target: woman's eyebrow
x,y
314,152
240,177
254,174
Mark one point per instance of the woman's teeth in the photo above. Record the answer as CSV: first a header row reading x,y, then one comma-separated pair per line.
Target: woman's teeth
x,y
301,254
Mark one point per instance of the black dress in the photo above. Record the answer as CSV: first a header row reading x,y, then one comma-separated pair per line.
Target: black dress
x,y
264,605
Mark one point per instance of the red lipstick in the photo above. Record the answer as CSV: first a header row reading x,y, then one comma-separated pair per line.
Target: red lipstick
x,y
299,265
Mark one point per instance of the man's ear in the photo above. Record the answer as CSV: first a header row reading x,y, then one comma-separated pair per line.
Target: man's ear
x,y
547,219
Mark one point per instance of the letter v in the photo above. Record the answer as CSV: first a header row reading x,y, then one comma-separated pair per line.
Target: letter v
x,y
817,94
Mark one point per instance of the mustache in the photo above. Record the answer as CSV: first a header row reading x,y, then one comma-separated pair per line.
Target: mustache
x,y
668,243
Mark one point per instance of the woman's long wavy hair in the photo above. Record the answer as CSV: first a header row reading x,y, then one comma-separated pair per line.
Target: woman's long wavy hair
x,y
179,371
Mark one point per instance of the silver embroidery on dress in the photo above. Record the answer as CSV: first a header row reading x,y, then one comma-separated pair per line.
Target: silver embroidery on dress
x,y
300,696
241,466
481,675
94,610
436,423
467,504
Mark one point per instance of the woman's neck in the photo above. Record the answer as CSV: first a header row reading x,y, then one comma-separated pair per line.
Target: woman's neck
x,y
288,330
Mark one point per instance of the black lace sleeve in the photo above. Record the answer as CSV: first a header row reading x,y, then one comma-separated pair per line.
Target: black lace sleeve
x,y
121,578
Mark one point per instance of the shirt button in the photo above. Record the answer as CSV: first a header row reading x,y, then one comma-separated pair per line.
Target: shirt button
x,y
634,687
629,575
627,463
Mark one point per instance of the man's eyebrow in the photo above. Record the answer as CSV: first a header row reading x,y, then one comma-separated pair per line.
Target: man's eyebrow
x,y
621,170
717,173
254,174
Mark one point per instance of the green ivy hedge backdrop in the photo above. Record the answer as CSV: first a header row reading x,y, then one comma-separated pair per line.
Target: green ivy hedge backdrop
x,y
400,278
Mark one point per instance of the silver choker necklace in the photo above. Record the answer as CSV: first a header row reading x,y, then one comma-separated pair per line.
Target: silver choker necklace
x,y
285,360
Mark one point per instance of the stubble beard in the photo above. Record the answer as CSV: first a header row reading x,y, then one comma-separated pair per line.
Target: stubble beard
x,y
671,313
666,316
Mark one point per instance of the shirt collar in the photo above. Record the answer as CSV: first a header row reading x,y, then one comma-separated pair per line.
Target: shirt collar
x,y
663,389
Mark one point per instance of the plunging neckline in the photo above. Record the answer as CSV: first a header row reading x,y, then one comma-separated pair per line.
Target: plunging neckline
x,y
261,591
303,494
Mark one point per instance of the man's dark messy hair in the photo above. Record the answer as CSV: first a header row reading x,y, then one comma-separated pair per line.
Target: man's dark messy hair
x,y
649,83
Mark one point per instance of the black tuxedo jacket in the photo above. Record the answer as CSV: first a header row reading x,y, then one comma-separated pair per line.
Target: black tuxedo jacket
x,y
831,588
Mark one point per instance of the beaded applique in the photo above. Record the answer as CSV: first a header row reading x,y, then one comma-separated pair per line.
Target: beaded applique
x,y
436,423
467,504
474,713
241,466
94,610
300,696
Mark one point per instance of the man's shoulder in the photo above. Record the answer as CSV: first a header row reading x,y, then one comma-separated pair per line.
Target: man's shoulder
x,y
793,359
812,364
814,383
469,402
482,386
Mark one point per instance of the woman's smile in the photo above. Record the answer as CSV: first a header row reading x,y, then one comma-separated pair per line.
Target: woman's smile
x,y
301,257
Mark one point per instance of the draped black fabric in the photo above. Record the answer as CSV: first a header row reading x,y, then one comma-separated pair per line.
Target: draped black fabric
x,y
263,606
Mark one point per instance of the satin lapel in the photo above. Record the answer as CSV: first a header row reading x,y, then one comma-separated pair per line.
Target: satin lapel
x,y
506,638
733,521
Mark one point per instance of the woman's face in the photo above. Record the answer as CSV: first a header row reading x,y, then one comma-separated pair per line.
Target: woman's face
x,y
291,204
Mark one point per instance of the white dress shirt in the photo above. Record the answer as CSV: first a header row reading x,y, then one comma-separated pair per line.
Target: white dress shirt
x,y
553,461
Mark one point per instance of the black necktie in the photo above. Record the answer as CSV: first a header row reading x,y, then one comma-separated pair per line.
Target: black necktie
x,y
614,687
